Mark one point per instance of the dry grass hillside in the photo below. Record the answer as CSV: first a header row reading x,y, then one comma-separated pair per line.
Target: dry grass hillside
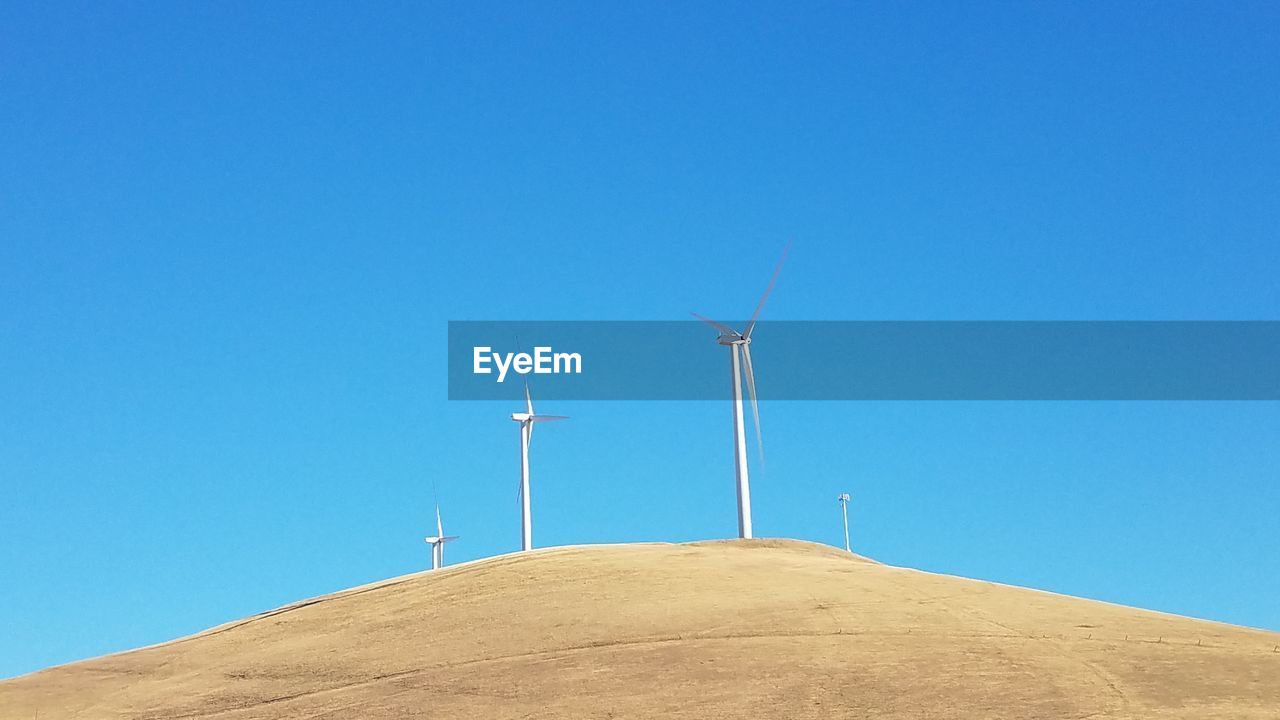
x,y
743,629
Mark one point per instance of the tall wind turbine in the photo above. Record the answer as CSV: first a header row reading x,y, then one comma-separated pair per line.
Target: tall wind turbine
x,y
437,542
527,420
739,344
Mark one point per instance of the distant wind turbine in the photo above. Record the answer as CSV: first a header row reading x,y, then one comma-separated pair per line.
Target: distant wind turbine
x,y
844,510
437,542
740,343
527,420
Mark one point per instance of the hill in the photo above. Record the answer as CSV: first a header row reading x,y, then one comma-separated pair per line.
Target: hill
x,y
735,629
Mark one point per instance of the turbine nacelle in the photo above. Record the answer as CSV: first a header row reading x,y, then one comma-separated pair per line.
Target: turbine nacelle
x,y
523,418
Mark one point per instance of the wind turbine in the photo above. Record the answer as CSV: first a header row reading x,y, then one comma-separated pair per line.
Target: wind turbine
x,y
739,344
843,498
527,420
437,542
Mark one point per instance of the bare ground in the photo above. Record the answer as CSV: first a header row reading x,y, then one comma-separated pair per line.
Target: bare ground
x,y
741,629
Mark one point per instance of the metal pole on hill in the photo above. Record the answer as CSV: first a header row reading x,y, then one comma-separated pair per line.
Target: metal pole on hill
x,y
844,510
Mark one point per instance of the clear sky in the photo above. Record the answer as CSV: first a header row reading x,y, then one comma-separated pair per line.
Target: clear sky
x,y
231,236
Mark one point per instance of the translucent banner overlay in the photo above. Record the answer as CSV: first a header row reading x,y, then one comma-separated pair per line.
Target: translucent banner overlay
x,y
895,360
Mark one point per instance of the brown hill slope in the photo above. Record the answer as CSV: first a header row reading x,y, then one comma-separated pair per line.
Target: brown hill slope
x,y
743,629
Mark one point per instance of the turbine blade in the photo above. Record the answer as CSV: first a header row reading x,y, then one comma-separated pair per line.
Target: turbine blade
x,y
524,427
760,306
439,525
528,400
547,418
755,406
717,325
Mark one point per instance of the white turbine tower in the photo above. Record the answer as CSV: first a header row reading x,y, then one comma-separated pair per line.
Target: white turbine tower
x,y
739,343
437,542
527,420
844,510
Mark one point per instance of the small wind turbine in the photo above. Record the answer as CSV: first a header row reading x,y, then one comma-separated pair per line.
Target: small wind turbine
x,y
527,420
437,542
740,343
844,510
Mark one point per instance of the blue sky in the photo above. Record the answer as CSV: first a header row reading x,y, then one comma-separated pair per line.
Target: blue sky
x,y
231,237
